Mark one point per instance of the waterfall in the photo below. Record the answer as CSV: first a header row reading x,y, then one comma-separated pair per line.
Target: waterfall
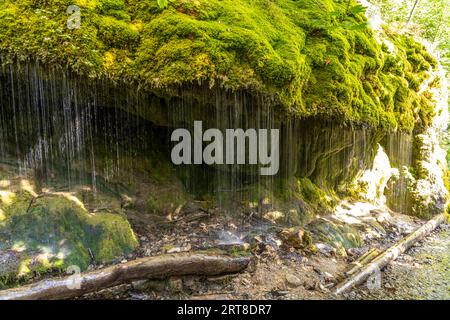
x,y
65,129
68,131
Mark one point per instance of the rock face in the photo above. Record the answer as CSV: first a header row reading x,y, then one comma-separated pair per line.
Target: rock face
x,y
429,192
84,135
73,131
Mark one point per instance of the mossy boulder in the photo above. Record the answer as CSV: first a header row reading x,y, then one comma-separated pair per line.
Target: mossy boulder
x,y
340,236
54,231
316,57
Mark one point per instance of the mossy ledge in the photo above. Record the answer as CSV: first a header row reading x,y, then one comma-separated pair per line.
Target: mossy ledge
x,y
317,57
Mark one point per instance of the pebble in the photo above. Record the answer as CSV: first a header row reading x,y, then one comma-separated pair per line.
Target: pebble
x,y
293,280
174,250
325,248
328,277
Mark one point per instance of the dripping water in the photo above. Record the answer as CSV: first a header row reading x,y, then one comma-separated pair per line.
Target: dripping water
x,y
70,130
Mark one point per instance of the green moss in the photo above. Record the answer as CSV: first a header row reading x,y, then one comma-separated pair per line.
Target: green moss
x,y
314,195
55,231
115,33
340,236
301,199
316,56
166,201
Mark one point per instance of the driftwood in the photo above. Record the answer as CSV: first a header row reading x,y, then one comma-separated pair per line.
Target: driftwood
x,y
389,255
157,267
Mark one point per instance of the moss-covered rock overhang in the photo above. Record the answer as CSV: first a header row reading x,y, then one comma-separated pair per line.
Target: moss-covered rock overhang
x,y
317,57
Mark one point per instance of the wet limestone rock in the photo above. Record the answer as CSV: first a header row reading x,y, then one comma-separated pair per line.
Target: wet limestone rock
x,y
340,236
429,193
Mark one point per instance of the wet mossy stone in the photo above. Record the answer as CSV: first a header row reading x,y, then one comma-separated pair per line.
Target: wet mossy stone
x,y
55,231
316,57
340,236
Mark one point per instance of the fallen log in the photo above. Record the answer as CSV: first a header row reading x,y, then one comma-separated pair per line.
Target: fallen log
x,y
157,267
389,255
362,261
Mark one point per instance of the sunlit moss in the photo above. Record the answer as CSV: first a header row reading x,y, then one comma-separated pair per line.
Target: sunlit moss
x,y
315,56
53,231
342,237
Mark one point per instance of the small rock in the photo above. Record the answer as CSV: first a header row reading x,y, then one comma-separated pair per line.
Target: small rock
x,y
139,285
322,288
140,296
152,285
189,283
174,250
325,249
352,252
292,237
317,270
388,285
328,277
274,216
186,248
293,281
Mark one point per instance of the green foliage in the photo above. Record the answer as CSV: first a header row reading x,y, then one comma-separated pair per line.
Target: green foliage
x,y
317,57
163,3
431,20
357,9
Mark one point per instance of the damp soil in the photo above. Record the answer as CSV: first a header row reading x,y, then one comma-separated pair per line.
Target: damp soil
x,y
279,272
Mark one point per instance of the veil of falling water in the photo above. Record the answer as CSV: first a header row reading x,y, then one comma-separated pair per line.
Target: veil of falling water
x,y
67,130
71,131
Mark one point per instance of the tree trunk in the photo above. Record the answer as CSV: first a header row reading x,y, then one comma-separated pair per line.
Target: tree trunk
x,y
157,267
411,14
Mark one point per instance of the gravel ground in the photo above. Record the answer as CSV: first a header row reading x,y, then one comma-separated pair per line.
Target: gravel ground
x,y
423,272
